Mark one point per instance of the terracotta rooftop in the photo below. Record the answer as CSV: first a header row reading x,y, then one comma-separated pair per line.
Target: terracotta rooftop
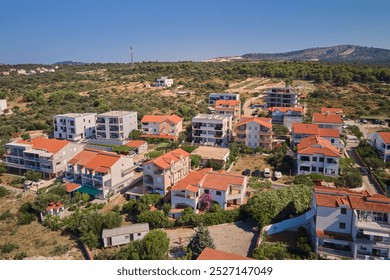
x,y
286,109
261,121
95,160
385,137
159,119
333,235
50,145
165,161
53,205
191,181
305,128
212,254
327,118
328,132
70,187
317,145
135,143
227,102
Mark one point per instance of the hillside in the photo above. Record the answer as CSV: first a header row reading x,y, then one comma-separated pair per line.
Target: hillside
x,y
342,53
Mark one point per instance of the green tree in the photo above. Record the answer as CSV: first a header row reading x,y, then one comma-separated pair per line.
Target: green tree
x,y
155,219
25,136
52,222
375,163
350,178
279,129
200,240
271,251
3,168
135,134
33,176
3,191
154,245
195,160
214,164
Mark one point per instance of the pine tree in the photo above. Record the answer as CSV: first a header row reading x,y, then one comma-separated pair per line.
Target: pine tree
x,y
199,241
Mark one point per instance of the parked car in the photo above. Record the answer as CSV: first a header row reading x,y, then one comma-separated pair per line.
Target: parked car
x,y
267,173
139,169
375,122
364,170
277,174
363,121
256,173
247,172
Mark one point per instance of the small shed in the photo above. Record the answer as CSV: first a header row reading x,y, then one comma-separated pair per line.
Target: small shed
x,y
123,235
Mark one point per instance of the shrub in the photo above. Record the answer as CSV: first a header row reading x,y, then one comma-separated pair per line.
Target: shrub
x,y
6,215
9,247
4,191
20,256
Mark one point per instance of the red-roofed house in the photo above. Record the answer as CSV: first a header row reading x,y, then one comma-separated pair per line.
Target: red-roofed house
x,y
98,173
328,121
228,107
165,171
381,141
351,224
286,115
226,189
303,130
48,156
254,132
166,127
317,155
140,146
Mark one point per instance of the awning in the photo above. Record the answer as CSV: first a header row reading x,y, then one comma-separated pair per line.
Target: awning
x,y
335,241
368,232
90,191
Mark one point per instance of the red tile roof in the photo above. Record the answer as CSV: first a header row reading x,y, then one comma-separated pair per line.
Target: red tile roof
x,y
327,118
221,182
328,132
286,109
165,161
191,181
331,110
70,187
385,137
212,254
227,102
159,119
317,145
53,205
95,160
305,128
50,145
135,143
261,121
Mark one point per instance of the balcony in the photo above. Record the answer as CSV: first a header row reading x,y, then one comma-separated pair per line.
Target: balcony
x,y
100,120
374,226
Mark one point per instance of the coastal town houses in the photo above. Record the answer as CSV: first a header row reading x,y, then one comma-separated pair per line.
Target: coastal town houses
x,y
114,127
48,156
286,115
381,141
100,174
303,130
163,172
281,97
163,127
254,132
75,127
140,146
213,97
328,121
350,224
229,108
225,189
212,130
317,155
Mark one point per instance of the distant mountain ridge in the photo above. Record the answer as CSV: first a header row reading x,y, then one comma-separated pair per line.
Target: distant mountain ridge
x,y
341,53
70,62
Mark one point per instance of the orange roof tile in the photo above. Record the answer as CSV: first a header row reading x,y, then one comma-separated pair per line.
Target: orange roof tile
x,y
70,187
135,143
53,205
212,254
95,160
323,118
164,161
333,235
305,128
328,132
227,102
159,119
221,182
50,145
317,145
286,109
331,110
261,121
385,137
191,181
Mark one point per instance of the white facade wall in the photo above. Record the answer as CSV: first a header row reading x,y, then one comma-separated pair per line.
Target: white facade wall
x,y
329,219
74,127
213,97
384,149
164,82
212,130
314,165
3,105
115,125
123,239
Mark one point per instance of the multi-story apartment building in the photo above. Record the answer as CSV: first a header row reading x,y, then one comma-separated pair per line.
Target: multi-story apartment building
x,y
351,224
286,115
164,82
75,127
3,106
166,127
254,132
228,107
303,130
48,156
282,97
163,172
381,141
100,174
213,97
115,125
212,130
225,189
317,155
328,121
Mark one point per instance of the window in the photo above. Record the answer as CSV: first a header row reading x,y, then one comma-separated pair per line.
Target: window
x,y
321,159
320,169
343,211
314,169
377,238
342,225
126,237
332,141
314,159
206,191
138,234
219,193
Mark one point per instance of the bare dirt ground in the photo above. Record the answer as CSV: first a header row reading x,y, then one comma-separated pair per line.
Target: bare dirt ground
x,y
118,200
251,162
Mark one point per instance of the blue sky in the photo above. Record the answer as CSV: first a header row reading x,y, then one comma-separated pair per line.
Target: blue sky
x,y
47,31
